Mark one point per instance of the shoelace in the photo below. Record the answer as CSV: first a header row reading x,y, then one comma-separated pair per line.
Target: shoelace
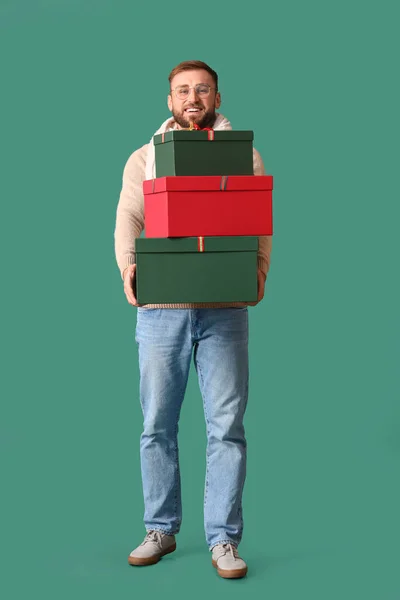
x,y
233,550
153,536
230,548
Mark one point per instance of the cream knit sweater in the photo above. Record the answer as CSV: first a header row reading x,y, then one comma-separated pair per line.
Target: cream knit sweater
x,y
130,223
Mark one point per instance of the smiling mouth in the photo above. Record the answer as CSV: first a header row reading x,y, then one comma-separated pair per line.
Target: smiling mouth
x,y
192,110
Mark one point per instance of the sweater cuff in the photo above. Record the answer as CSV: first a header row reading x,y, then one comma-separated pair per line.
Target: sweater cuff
x,y
129,260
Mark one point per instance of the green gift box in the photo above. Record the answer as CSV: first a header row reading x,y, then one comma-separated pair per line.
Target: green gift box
x,y
183,152
191,269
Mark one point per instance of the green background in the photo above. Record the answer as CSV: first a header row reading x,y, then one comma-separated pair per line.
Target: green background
x,y
84,84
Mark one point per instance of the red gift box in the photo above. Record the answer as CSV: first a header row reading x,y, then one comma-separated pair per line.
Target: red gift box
x,y
208,206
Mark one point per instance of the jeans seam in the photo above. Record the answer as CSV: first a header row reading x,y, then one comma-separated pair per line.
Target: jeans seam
x,y
208,432
240,509
178,475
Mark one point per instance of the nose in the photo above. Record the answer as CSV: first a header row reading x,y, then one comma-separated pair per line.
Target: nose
x,y
192,95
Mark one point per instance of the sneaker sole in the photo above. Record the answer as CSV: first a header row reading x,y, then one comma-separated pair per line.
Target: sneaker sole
x,y
230,574
151,560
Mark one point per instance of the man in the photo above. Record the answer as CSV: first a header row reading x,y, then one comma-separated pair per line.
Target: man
x,y
167,335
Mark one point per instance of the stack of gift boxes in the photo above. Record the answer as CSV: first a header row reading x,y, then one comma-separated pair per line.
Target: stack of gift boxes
x,y
203,213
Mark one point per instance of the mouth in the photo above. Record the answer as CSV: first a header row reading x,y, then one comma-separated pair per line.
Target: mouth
x,y
192,110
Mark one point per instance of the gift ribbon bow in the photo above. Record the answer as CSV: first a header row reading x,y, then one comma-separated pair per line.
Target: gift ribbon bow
x,y
208,129
194,126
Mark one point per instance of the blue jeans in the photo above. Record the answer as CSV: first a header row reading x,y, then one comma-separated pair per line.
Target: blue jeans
x,y
218,339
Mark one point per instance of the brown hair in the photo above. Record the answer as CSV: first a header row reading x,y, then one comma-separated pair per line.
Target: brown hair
x,y
192,65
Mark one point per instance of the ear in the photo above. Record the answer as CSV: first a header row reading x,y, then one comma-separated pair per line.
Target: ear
x,y
169,102
217,100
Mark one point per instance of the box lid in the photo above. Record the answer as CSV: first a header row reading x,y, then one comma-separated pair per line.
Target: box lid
x,y
182,135
197,244
208,183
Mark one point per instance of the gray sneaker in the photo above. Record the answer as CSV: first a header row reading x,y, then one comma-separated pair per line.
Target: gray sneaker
x,y
155,545
225,558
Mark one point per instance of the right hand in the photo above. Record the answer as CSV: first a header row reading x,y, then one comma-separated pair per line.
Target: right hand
x,y
129,284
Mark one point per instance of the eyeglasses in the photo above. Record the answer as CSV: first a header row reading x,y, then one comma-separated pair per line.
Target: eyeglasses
x,y
202,90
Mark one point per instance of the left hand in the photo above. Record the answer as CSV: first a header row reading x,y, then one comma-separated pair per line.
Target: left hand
x,y
261,287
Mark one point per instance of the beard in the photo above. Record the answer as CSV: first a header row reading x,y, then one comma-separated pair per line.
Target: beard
x,y
207,119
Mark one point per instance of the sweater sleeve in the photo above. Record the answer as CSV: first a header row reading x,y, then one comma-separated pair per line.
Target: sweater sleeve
x,y
264,241
130,210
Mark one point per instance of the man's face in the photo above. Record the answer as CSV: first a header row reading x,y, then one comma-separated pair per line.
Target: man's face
x,y
193,108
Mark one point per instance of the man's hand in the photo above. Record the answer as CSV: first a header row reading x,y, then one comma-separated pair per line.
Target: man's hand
x,y
129,284
261,286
